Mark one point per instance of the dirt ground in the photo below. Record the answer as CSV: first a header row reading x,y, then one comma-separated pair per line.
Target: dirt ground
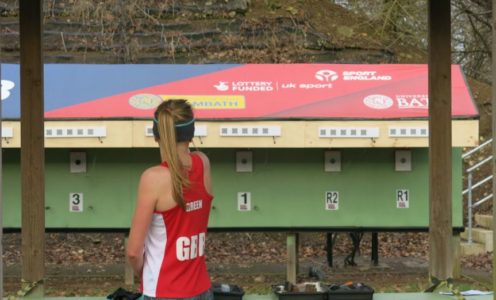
x,y
92,264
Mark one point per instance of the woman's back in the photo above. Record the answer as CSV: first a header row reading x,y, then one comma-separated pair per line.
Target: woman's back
x,y
174,263
167,237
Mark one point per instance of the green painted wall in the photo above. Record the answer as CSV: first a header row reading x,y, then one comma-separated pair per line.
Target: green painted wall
x,y
287,187
108,187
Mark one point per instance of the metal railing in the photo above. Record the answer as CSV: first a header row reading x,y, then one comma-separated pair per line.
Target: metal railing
x,y
471,185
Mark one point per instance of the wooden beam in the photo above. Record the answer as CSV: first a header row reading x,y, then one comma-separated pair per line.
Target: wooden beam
x,y
494,139
440,169
128,269
1,201
457,256
292,264
32,144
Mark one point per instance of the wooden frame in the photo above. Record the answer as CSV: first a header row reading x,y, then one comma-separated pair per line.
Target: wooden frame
x,y
32,150
32,138
295,134
440,169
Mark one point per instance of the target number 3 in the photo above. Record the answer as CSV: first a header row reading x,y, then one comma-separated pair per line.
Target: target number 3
x,y
76,202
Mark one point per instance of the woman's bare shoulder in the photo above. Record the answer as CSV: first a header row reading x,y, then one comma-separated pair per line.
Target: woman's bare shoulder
x,y
155,174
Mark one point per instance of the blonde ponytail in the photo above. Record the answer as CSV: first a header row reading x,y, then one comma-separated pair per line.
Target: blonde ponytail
x,y
168,152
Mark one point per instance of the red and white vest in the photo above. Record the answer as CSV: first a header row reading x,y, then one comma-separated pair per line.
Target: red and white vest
x,y
174,263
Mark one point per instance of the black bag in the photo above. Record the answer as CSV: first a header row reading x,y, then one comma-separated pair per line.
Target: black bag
x,y
122,294
350,291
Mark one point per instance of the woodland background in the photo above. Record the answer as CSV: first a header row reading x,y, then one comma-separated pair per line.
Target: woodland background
x,y
250,31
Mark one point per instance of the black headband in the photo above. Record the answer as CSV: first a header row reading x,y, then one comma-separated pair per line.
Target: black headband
x,y
184,131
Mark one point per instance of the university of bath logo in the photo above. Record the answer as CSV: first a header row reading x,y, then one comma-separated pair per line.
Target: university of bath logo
x,y
378,101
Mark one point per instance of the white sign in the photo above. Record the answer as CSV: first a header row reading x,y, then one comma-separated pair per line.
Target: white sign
x,y
76,202
331,200
402,198
244,201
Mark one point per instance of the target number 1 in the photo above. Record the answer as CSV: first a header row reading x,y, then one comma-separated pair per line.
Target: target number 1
x,y
244,201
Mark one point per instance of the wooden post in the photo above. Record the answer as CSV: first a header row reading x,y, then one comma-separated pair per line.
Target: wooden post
x,y
493,100
128,269
32,145
374,257
329,248
457,256
440,181
1,201
292,267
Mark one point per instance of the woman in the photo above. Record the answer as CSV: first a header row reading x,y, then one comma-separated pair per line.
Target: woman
x,y
167,237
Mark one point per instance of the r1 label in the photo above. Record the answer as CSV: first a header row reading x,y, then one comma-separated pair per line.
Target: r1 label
x,y
331,200
402,199
244,201
76,202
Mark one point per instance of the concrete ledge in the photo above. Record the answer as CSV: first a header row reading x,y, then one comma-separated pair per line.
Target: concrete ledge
x,y
485,221
472,249
482,236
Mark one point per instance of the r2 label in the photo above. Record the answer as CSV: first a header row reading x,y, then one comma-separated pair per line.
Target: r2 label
x,y
76,202
244,201
402,198
332,200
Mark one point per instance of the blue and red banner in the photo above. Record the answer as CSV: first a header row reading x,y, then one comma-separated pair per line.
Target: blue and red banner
x,y
253,91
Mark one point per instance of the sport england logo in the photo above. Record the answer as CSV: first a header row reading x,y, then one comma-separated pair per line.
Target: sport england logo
x,y
326,75
222,86
378,101
365,76
7,85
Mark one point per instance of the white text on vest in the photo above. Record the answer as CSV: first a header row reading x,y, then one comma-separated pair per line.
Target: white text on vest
x,y
190,247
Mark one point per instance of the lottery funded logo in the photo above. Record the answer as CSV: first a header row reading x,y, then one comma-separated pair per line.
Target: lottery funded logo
x,y
378,101
222,86
245,86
